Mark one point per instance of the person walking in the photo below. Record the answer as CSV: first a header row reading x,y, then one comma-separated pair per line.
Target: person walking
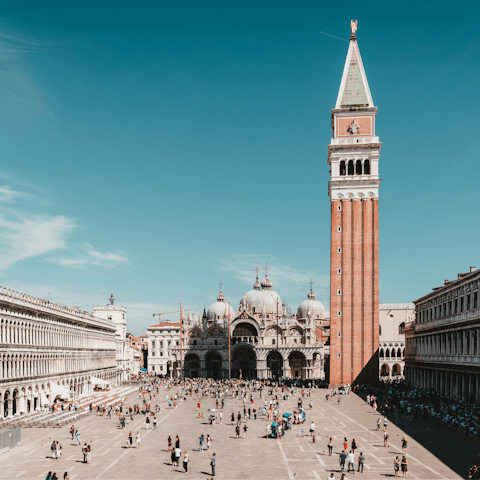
x,y
72,432
404,467
84,451
385,439
351,462
185,461
213,463
245,433
202,441
147,422
330,446
345,444
154,423
379,422
312,429
138,439
177,441
404,445
66,476
178,454
77,437
130,440
361,460
354,445
385,423
396,466
342,459
220,415
209,442
237,431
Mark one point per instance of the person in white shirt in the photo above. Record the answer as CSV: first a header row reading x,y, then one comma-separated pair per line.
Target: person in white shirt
x,y
331,477
312,429
351,461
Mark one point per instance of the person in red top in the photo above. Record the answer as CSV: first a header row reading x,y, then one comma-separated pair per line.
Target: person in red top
x,y
198,406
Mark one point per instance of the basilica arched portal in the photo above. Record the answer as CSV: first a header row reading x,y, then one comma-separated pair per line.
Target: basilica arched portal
x,y
296,361
244,363
275,364
213,362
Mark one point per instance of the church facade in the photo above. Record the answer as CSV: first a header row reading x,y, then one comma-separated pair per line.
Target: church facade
x,y
259,340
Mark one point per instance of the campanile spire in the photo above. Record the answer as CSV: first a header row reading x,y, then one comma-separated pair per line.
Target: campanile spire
x,y
353,156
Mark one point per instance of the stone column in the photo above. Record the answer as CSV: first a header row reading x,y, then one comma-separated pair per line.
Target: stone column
x,y
10,406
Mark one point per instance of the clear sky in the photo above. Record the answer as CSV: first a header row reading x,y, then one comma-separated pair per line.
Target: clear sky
x,y
152,149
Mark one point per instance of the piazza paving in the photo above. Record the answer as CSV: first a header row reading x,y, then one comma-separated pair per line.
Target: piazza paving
x,y
292,457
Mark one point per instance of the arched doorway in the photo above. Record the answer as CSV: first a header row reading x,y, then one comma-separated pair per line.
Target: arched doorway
x,y
275,364
296,361
5,403
191,365
14,402
396,371
244,363
385,370
213,362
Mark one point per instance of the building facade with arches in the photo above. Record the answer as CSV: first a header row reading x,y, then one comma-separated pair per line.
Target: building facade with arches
x,y
443,339
393,318
261,338
42,344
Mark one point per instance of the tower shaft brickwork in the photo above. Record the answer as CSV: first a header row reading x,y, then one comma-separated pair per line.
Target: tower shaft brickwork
x,y
353,156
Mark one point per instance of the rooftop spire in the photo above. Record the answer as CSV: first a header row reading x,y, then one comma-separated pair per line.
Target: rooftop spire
x,y
354,90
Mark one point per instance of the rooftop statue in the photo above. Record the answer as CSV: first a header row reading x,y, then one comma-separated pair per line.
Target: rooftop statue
x,y
353,26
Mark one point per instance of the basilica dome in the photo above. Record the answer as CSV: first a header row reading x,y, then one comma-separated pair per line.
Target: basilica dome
x,y
311,307
220,309
262,299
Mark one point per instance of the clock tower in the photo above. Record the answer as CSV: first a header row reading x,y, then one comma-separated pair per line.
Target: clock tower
x,y
353,156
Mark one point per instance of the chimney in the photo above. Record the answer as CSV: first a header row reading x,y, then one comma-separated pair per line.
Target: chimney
x,y
472,269
446,281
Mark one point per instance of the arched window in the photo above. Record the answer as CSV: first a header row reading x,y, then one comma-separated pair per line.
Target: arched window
x,y
379,329
401,327
366,167
342,168
387,353
393,353
381,353
399,353
350,167
358,167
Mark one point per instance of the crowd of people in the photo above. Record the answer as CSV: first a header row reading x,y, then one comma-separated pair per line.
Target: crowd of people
x,y
262,400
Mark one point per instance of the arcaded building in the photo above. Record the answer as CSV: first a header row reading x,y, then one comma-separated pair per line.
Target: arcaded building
x,y
393,317
47,349
443,342
259,340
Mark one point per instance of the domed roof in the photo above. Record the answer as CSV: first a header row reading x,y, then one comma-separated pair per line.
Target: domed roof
x,y
219,310
311,307
263,300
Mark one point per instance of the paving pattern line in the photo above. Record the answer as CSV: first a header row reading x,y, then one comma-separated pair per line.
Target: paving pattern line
x,y
285,459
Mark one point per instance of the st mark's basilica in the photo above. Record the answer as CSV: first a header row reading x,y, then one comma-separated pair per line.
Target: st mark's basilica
x,y
265,340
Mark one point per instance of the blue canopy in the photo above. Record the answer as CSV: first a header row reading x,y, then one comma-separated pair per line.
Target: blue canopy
x,y
143,370
286,415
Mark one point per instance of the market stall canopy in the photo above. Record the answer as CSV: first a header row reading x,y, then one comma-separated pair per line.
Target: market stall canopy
x,y
98,381
57,390
43,399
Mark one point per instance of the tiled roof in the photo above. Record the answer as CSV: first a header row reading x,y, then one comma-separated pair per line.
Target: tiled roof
x,y
165,324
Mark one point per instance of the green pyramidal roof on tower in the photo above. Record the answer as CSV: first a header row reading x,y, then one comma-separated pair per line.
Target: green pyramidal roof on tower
x,y
354,90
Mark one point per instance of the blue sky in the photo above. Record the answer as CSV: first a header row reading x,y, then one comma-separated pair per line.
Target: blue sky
x,y
152,149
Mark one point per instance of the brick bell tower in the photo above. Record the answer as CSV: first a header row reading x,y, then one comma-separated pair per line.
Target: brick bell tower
x,y
353,156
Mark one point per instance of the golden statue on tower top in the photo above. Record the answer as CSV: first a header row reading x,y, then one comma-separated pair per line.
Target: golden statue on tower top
x,y
353,26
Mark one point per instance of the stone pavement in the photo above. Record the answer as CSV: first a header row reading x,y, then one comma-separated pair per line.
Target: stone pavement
x,y
293,457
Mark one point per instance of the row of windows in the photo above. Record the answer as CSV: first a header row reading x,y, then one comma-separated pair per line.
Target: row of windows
x,y
446,309
355,167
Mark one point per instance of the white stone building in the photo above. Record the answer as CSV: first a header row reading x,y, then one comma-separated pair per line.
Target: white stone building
x,y
117,315
160,339
393,317
47,350
443,339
